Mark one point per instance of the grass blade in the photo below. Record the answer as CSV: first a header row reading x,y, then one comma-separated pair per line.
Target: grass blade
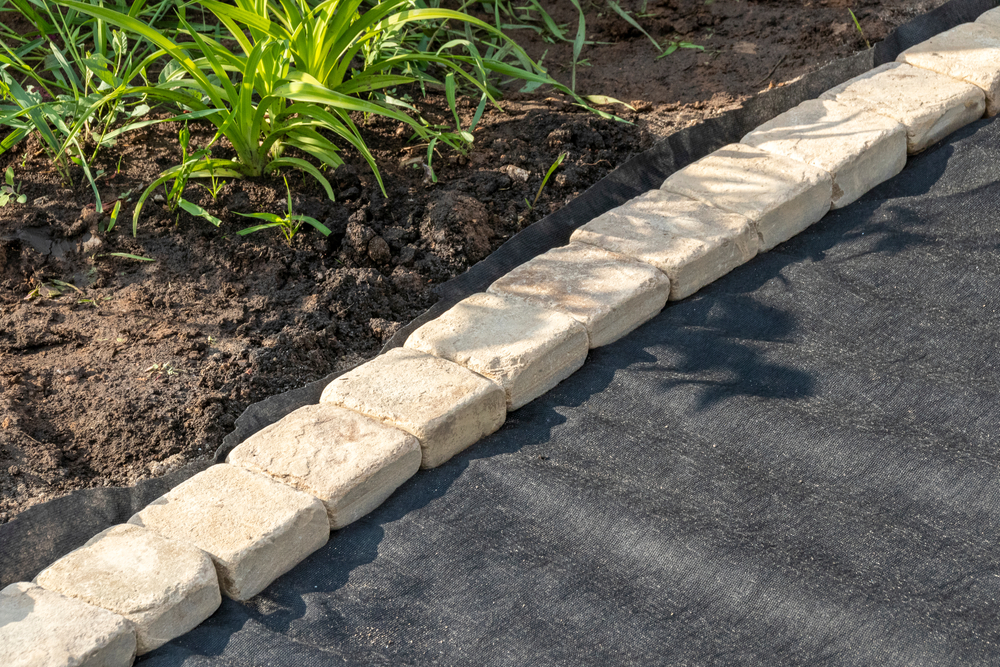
x,y
625,15
126,255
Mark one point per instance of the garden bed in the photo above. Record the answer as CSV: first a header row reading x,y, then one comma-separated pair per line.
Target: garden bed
x,y
113,369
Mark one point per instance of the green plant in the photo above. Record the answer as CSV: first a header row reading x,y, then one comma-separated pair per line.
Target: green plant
x,y
165,369
113,220
215,185
175,194
126,255
858,26
555,165
288,224
673,45
9,191
70,95
292,79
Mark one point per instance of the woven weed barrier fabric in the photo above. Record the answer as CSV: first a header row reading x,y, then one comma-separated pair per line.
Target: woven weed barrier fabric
x,y
44,533
798,465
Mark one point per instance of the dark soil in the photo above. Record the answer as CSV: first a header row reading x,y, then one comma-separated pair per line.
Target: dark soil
x,y
112,370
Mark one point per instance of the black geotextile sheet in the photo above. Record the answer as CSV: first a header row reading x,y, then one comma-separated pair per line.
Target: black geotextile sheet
x,y
794,466
798,465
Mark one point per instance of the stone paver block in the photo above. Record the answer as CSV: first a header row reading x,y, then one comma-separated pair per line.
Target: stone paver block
x,y
692,242
609,293
164,587
929,105
447,407
524,348
859,148
970,52
781,196
349,461
990,17
39,627
254,528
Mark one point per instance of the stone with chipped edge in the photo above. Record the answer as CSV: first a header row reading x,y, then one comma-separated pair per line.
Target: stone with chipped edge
x,y
39,627
254,528
164,587
692,242
859,148
969,52
447,407
781,196
524,348
349,461
929,105
609,293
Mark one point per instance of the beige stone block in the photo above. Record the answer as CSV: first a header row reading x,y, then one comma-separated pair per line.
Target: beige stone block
x,y
609,293
349,461
254,528
781,196
447,407
859,148
524,348
164,587
692,242
969,52
39,627
929,105
990,17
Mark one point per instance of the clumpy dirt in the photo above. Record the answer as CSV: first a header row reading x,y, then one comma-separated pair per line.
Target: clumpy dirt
x,y
114,369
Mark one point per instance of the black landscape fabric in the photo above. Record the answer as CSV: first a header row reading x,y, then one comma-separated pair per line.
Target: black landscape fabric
x,y
797,465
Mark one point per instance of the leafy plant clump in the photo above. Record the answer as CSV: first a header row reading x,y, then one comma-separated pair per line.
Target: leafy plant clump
x,y
298,71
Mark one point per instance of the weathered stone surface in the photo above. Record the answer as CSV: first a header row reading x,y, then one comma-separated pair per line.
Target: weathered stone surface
x,y
781,196
690,241
254,528
859,148
39,627
970,52
609,293
447,407
990,17
524,348
349,461
929,105
164,587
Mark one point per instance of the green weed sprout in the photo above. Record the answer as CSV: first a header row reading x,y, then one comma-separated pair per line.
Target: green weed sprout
x,y
548,175
9,191
288,224
858,26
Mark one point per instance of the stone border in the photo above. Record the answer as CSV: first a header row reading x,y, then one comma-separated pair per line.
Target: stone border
x,y
236,527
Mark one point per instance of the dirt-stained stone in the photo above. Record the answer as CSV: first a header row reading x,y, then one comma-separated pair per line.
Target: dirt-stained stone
x,y
969,52
781,196
525,348
447,407
349,461
164,587
859,148
39,627
692,242
929,105
609,293
254,528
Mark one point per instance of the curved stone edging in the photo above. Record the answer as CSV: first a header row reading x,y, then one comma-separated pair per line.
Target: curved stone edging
x,y
275,499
